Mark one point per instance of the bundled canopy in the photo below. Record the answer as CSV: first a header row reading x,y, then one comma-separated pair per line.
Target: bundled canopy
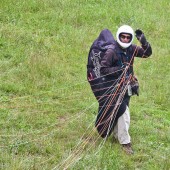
x,y
109,90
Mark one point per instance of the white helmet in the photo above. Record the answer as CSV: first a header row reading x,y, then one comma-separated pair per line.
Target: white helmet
x,y
127,30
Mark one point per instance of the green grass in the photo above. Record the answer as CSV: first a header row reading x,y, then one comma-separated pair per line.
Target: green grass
x,y
46,104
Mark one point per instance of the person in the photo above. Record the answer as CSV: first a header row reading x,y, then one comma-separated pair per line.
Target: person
x,y
121,56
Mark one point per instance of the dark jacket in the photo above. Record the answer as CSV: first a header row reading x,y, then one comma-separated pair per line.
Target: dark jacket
x,y
117,58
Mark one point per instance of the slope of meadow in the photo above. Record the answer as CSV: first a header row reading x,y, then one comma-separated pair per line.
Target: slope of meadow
x,y
47,109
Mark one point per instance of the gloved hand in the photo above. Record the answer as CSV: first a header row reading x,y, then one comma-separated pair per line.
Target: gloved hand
x,y
134,86
140,36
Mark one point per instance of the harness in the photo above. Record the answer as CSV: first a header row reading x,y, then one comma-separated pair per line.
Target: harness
x,y
125,59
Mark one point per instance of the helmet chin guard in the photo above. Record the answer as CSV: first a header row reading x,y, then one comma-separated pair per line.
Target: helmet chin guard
x,y
126,29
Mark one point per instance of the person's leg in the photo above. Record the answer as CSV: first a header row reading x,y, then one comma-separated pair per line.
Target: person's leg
x,y
123,127
121,131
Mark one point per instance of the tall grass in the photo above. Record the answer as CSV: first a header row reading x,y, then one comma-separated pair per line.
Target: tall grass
x,y
46,104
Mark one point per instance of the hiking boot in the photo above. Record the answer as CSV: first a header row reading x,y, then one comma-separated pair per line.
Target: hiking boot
x,y
127,148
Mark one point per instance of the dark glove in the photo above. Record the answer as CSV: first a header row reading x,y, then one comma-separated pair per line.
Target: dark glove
x,y
135,90
135,86
140,36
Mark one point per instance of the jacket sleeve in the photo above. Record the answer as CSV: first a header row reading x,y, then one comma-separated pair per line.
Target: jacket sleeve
x,y
143,51
108,64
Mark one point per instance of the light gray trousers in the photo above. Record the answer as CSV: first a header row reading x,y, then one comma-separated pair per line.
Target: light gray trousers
x,y
121,130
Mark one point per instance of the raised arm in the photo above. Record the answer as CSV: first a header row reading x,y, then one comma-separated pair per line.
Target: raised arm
x,y
145,50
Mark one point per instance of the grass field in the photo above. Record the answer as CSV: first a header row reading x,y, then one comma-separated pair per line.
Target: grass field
x,y
47,109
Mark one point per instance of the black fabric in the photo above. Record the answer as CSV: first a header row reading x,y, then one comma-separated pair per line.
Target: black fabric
x,y
103,89
104,41
97,50
109,119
